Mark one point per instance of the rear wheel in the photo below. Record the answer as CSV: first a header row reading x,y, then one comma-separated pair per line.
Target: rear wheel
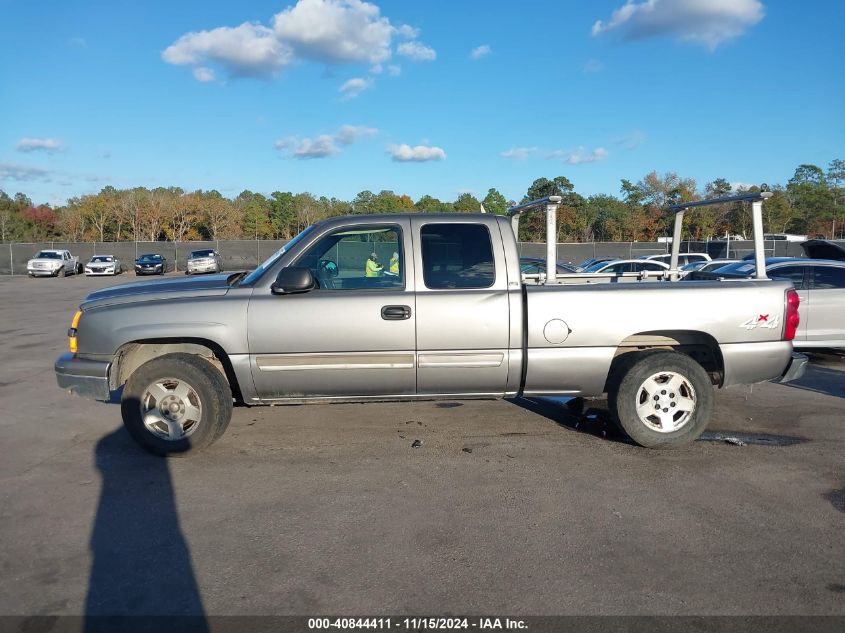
x,y
175,404
661,399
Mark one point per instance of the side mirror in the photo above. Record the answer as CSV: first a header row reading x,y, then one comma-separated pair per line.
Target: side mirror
x,y
292,280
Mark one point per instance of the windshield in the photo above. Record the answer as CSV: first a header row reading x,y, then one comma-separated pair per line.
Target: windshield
x,y
48,255
206,253
149,258
256,274
103,259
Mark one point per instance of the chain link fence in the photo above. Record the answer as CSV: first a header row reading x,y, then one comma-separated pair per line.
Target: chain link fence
x,y
247,254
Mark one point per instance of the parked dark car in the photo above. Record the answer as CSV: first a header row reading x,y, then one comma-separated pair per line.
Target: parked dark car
x,y
151,264
592,261
535,265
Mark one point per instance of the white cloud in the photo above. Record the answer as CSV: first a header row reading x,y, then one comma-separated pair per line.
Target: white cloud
x,y
408,32
335,31
393,70
353,87
245,50
480,51
632,140
27,173
348,134
201,73
49,145
593,66
324,31
22,173
578,156
324,145
707,22
518,153
319,147
417,51
421,153
744,186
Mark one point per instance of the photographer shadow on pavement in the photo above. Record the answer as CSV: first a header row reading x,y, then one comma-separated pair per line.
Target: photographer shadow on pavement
x,y
141,561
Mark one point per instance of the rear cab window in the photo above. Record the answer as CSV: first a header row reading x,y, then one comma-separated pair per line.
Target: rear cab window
x,y
457,256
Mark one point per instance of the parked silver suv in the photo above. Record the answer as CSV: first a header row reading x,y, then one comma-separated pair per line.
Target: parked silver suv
x,y
206,260
821,287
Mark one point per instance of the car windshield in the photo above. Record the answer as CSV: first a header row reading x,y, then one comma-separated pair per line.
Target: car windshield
x,y
48,255
102,259
692,266
149,258
267,263
204,253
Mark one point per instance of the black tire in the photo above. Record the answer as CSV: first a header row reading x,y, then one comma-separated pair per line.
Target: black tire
x,y
627,391
210,388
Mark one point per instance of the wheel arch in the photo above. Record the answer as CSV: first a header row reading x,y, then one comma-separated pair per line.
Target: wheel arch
x,y
133,354
700,346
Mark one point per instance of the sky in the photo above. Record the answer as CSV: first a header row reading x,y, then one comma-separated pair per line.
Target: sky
x,y
431,97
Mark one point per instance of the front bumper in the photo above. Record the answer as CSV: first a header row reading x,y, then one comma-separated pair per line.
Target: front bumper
x,y
38,272
202,268
796,368
141,270
82,377
99,271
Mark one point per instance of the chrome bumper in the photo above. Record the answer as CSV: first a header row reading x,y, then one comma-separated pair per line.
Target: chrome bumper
x,y
82,377
796,368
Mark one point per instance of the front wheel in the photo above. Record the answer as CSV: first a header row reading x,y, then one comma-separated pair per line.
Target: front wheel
x,y
661,399
175,404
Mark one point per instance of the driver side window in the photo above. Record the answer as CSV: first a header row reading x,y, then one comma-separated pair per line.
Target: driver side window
x,y
357,258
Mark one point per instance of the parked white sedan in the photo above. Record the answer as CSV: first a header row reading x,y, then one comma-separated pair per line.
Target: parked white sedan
x,y
627,266
103,265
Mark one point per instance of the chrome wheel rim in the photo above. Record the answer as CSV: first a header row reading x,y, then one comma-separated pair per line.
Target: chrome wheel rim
x,y
665,402
171,409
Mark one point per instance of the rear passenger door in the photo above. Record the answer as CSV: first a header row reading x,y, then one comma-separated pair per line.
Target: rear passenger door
x,y
463,320
826,318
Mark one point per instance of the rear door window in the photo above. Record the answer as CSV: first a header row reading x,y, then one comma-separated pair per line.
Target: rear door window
x,y
794,273
828,277
457,256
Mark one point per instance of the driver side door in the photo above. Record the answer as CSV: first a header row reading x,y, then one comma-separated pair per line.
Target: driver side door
x,y
352,337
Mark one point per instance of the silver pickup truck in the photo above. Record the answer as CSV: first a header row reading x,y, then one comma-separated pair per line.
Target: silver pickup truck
x,y
422,306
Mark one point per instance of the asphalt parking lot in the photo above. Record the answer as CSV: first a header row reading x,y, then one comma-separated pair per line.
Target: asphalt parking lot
x,y
506,507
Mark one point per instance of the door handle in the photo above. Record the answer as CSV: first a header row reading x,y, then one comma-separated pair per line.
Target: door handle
x,y
395,313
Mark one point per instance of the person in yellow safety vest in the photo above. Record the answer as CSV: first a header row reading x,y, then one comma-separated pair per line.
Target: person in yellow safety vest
x,y
372,268
394,264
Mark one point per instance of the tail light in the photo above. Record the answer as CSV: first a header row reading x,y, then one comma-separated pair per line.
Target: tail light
x,y
792,319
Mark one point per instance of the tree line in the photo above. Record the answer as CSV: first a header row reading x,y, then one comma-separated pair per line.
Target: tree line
x,y
811,202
